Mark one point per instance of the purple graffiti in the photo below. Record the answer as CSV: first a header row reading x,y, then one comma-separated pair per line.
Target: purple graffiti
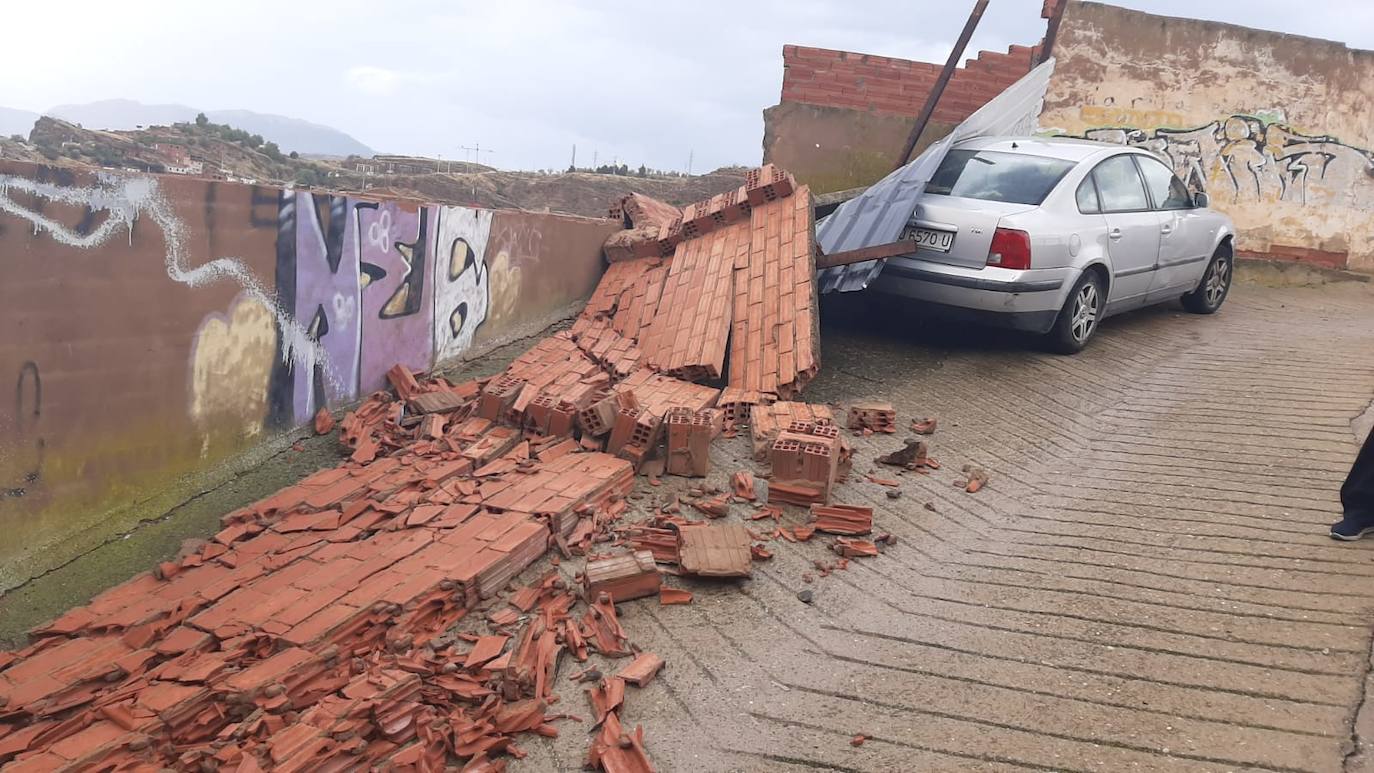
x,y
397,294
327,300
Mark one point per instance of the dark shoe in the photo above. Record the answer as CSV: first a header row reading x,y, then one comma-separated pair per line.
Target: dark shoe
x,y
1352,527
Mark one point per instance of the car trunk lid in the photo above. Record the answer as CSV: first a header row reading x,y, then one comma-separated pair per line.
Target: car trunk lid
x,y
964,225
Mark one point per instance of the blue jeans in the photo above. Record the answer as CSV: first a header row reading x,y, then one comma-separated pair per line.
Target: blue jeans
x,y
1357,494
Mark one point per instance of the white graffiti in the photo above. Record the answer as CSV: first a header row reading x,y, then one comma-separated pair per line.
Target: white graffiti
x,y
124,199
379,232
461,280
344,307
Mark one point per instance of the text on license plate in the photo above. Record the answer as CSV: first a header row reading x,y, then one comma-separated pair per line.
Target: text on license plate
x,y
930,239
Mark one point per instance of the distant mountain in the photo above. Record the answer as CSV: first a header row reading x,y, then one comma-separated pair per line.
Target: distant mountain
x,y
122,114
289,133
293,133
16,121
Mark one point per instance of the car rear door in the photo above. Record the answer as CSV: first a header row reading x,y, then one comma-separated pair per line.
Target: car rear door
x,y
1185,236
1132,230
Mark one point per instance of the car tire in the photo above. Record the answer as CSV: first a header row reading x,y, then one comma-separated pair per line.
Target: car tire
x,y
1215,285
1078,320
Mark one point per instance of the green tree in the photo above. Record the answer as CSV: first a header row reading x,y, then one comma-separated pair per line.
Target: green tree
x,y
294,154
201,120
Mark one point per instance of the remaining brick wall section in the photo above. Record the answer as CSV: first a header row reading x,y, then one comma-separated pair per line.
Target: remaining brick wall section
x,y
822,76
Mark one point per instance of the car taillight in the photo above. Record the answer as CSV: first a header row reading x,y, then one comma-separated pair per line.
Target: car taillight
x,y
1010,249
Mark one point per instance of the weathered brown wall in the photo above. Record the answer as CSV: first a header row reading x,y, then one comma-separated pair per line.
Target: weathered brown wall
x,y
153,327
1276,127
835,148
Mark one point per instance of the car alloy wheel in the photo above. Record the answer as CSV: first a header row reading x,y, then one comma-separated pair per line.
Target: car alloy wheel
x,y
1215,285
1084,312
1218,279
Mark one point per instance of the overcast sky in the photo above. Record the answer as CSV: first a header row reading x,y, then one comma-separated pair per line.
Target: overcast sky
x,y
640,82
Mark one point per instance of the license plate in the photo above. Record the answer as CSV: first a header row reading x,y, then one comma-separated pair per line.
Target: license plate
x,y
931,239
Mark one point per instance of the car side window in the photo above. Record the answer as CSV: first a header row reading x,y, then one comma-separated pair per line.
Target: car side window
x,y
1119,185
1167,191
1087,197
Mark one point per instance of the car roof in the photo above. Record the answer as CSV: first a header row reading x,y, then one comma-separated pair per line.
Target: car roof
x,y
1067,148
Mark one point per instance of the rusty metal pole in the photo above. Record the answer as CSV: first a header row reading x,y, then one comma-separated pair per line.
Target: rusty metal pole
x,y
973,18
1051,32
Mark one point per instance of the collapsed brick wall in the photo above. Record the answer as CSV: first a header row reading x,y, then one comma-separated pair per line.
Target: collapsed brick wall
x,y
1273,126
312,632
157,326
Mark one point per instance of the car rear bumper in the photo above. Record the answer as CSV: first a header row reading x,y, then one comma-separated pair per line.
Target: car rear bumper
x,y
1023,300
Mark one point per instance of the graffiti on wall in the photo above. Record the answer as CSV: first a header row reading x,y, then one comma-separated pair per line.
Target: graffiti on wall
x,y
231,363
1257,158
375,284
355,293
462,280
23,465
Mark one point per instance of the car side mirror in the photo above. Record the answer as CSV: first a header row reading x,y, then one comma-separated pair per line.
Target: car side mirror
x,y
1200,199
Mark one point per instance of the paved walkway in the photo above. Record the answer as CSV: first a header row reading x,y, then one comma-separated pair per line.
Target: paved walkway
x,y
1146,585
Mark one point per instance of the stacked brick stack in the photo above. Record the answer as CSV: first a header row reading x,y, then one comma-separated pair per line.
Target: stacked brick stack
x,y
688,333
639,303
766,421
606,346
741,271
689,441
775,328
624,577
873,417
806,459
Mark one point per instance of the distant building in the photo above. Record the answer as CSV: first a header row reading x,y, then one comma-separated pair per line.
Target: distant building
x,y
175,159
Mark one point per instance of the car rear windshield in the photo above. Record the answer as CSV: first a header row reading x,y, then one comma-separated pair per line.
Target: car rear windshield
x,y
991,175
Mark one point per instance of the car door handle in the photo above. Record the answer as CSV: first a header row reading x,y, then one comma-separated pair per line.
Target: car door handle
x,y
1166,230
1114,234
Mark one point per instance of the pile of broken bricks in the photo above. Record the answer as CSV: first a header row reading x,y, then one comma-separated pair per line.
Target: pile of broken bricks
x,y
334,624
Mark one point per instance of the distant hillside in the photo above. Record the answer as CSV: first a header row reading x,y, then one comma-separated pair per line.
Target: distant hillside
x,y
16,121
289,133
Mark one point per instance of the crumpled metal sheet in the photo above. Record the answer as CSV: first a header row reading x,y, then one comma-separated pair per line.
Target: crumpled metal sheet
x,y
878,215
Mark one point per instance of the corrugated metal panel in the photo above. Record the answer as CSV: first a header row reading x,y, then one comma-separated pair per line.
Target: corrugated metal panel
x,y
878,215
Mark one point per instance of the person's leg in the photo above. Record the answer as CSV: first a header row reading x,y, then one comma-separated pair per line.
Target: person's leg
x,y
1357,496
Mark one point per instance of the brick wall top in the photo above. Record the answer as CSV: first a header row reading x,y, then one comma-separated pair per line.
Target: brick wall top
x,y
831,78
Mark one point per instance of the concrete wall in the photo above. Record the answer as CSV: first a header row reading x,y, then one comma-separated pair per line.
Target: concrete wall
x,y
844,117
1276,128
156,327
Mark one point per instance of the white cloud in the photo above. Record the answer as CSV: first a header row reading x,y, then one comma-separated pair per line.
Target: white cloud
x,y
375,81
638,82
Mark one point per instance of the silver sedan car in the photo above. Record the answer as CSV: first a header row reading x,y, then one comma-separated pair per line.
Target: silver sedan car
x,y
1052,235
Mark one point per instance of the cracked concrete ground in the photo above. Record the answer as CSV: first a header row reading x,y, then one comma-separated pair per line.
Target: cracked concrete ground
x,y
1146,585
